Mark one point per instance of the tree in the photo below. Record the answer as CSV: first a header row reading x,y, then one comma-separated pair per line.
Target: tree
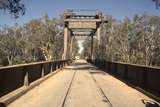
x,y
157,3
15,7
134,40
38,40
11,45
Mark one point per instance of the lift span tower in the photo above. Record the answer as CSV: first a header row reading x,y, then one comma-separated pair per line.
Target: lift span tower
x,y
81,23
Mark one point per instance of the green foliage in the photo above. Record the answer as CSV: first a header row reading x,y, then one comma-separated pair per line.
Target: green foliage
x,y
15,7
134,40
38,40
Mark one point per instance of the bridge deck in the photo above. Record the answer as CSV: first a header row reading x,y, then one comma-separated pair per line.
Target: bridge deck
x,y
81,85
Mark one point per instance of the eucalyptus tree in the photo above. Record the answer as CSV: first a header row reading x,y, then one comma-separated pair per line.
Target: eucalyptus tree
x,y
134,40
14,7
12,45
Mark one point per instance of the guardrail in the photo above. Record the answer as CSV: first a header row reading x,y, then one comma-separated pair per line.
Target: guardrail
x,y
14,77
147,78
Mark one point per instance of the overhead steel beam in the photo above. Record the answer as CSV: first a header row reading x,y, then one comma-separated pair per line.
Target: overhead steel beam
x,y
81,33
82,20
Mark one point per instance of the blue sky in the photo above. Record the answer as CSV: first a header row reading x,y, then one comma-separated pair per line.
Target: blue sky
x,y
117,8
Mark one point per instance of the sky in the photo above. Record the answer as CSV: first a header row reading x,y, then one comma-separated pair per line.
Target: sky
x,y
117,8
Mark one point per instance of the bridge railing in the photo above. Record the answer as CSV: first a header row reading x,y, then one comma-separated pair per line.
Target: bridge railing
x,y
147,78
14,77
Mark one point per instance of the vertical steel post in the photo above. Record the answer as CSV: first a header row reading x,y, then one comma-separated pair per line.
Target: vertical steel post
x,y
71,46
98,40
65,42
26,79
91,47
99,35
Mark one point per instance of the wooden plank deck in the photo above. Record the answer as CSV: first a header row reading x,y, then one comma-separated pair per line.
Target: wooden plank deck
x,y
82,85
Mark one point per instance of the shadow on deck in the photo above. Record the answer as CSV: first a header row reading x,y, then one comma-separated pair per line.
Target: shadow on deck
x,y
81,66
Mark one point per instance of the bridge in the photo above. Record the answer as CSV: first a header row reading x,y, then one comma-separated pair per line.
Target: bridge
x,y
80,83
